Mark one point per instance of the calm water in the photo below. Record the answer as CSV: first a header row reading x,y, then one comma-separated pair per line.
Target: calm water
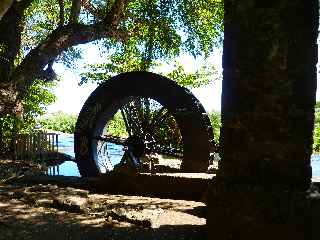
x,y
315,163
69,168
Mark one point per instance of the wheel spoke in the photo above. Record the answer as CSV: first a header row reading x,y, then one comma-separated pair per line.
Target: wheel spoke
x,y
173,152
138,114
146,114
128,112
126,122
104,157
111,139
132,117
158,119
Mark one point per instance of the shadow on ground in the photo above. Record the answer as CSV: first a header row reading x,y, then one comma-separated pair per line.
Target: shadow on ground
x,y
51,212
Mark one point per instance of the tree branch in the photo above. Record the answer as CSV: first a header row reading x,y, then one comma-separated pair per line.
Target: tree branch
x,y
60,40
47,74
75,11
64,37
61,12
86,4
4,6
116,12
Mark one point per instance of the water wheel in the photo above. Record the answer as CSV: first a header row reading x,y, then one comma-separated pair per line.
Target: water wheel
x,y
142,122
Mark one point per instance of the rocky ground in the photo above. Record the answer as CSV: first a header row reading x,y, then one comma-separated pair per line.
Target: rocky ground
x,y
48,211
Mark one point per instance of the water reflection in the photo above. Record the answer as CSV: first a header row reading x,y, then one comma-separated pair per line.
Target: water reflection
x,y
67,168
315,163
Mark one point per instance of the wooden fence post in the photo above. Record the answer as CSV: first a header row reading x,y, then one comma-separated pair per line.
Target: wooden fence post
x,y
36,146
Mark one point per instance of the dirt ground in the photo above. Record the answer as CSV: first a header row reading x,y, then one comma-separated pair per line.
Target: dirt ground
x,y
46,211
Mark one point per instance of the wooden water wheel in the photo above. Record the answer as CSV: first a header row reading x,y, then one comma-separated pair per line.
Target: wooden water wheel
x,y
142,122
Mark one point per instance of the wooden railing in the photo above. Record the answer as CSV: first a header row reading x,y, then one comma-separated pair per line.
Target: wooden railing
x,y
36,146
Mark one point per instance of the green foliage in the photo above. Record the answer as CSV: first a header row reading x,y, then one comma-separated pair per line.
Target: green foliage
x,y
152,29
202,23
215,119
316,138
42,18
34,104
117,127
160,31
200,77
102,72
59,121
316,131
9,126
317,107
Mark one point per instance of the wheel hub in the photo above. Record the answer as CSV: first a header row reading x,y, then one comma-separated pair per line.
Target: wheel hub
x,y
136,145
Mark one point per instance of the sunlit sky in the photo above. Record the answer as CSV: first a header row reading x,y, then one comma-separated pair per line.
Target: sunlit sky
x,y
71,96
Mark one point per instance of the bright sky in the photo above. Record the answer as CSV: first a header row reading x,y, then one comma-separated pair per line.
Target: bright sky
x,y
71,97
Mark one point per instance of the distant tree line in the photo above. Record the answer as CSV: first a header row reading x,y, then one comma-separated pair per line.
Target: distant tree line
x,y
60,121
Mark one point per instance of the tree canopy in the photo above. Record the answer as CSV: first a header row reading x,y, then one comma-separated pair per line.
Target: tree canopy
x,y
35,34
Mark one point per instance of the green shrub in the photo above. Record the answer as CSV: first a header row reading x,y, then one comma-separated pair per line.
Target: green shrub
x,y
117,127
35,102
60,121
215,119
316,138
316,130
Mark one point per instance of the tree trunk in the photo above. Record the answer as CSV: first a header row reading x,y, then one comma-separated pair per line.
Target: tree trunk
x,y
9,102
11,26
269,86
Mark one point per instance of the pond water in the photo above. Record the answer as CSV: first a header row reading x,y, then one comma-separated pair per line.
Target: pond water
x,y
315,163
69,168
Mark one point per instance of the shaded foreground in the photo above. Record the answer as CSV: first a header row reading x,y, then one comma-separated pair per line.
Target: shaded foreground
x,y
46,211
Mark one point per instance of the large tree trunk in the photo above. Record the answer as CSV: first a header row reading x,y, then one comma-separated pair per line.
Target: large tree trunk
x,y
269,86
